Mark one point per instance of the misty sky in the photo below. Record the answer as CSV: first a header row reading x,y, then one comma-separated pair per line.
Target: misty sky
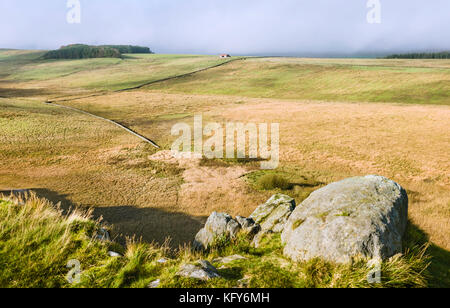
x,y
239,27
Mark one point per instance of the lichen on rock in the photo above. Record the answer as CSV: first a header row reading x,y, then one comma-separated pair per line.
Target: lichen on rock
x,y
273,215
357,217
217,226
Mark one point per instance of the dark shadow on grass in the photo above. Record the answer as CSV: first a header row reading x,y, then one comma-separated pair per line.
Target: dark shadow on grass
x,y
147,224
151,225
439,269
233,273
307,185
15,92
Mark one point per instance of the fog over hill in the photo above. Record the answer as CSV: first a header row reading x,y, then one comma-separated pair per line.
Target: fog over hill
x,y
251,27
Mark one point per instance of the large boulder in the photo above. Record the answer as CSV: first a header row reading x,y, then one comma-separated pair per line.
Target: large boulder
x,y
273,215
218,225
357,217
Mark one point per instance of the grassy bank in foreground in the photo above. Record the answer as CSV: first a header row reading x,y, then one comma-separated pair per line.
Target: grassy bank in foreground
x,y
37,241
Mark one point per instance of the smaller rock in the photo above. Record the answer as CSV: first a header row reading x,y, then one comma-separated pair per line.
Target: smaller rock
x,y
229,259
208,266
274,214
245,222
155,284
162,261
252,232
233,228
217,225
114,254
248,225
203,270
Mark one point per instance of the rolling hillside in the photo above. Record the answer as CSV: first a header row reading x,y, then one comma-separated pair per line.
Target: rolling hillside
x,y
332,126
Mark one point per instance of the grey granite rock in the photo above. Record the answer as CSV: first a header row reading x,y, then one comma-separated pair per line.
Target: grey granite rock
x,y
357,217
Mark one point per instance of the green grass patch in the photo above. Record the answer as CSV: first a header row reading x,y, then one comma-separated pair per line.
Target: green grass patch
x,y
274,181
285,180
315,80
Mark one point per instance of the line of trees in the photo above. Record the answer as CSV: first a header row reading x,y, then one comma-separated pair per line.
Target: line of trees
x,y
80,51
421,55
129,48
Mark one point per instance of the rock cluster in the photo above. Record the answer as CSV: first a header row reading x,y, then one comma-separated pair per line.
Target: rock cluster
x,y
360,217
269,217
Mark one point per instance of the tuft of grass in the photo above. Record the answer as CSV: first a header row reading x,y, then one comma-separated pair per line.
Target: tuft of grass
x,y
37,241
274,181
294,182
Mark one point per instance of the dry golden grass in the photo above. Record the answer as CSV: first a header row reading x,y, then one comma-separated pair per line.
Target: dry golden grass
x,y
329,141
409,144
70,157
81,160
212,188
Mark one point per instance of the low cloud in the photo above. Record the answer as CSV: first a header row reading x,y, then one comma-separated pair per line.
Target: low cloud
x,y
247,27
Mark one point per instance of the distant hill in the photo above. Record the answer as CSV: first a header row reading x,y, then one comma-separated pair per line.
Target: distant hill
x,y
421,55
81,51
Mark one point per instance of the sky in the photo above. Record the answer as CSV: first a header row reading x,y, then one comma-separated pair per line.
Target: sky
x,y
238,27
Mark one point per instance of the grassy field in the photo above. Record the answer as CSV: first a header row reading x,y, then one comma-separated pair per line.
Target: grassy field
x,y
332,126
420,82
27,75
325,142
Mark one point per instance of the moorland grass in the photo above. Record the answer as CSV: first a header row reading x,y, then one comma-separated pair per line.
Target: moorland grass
x,y
105,74
335,81
68,157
